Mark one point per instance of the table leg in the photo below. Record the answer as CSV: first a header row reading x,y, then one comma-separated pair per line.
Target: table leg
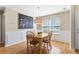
x,y
40,46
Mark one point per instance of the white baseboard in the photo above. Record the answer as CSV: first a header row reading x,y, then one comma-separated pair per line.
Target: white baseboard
x,y
14,43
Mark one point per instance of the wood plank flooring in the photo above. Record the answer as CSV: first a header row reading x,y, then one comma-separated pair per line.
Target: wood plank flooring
x,y
21,48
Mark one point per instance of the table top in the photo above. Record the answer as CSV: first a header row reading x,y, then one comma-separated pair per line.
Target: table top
x,y
42,35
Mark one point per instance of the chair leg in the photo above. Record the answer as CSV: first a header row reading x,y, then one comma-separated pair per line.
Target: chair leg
x,y
44,46
27,47
50,45
47,48
27,50
35,50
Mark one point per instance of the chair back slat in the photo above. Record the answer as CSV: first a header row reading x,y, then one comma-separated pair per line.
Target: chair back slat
x,y
47,38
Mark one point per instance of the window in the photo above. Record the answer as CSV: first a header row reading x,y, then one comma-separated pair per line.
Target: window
x,y
51,24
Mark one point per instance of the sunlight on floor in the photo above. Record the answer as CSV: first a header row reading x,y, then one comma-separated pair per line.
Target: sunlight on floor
x,y
55,50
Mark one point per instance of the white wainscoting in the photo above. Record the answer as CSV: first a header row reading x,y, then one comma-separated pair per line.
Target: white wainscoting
x,y
15,37
64,36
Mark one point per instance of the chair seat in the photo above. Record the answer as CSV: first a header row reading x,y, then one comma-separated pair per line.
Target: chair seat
x,y
34,42
45,41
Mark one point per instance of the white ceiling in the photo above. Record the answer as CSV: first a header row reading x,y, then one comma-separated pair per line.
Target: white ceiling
x,y
32,10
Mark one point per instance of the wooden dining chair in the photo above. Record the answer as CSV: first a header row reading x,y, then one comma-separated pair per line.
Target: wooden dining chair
x,y
47,42
30,33
39,33
31,41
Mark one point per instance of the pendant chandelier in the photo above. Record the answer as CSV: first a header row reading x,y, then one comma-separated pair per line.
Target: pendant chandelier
x,y
38,19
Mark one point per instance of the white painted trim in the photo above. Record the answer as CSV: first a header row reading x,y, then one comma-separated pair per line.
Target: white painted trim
x,y
64,36
14,43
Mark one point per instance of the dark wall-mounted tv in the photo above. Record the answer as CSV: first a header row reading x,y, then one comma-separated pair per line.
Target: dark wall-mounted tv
x,y
25,22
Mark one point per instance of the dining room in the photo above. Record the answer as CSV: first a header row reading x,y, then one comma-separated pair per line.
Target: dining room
x,y
37,29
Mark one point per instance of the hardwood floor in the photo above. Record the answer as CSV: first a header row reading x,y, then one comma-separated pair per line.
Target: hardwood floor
x,y
1,45
64,47
21,48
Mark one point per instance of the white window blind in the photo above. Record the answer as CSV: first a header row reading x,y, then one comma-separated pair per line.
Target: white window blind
x,y
52,24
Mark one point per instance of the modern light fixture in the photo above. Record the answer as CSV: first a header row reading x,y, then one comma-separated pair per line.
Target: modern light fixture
x,y
38,19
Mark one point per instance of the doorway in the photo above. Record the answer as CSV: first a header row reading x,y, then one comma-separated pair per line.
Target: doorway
x,y
2,28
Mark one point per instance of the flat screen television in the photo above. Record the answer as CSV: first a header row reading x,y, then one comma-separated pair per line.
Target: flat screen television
x,y
25,22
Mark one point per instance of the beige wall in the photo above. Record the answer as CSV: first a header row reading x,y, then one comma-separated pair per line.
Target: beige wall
x,y
11,20
64,20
